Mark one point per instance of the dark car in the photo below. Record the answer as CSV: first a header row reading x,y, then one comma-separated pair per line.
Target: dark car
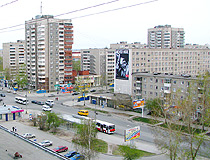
x,y
60,149
75,93
40,103
51,95
70,154
34,101
2,95
93,90
1,99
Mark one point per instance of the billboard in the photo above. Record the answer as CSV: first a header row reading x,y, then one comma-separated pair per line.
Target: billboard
x,y
138,103
122,64
132,133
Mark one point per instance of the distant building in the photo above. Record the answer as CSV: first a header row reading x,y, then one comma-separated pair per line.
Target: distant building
x,y
14,56
125,45
99,62
166,37
49,51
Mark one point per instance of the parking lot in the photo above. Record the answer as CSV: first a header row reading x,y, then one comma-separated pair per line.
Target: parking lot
x,y
13,144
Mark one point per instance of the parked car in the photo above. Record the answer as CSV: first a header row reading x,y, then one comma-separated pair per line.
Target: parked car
x,y
70,154
51,95
77,156
46,108
8,91
29,135
61,149
1,99
49,103
75,93
2,95
34,101
46,143
40,103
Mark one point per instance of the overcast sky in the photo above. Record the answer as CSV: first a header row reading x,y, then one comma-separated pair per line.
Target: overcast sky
x,y
100,30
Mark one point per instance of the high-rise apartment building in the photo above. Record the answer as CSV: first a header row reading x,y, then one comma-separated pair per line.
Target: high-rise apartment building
x,y
14,56
166,37
49,51
99,62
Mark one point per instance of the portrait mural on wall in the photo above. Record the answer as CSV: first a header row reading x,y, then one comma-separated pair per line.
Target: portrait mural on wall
x,y
122,64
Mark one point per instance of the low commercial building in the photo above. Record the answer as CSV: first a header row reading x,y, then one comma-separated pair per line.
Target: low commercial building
x,y
8,112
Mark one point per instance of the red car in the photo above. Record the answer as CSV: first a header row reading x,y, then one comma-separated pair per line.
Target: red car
x,y
60,149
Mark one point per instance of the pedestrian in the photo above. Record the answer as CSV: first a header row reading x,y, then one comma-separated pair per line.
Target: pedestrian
x,y
13,128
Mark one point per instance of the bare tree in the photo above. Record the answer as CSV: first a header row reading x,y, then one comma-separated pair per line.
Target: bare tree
x,y
84,138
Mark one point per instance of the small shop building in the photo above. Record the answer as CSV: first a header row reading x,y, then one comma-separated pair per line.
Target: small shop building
x,y
8,113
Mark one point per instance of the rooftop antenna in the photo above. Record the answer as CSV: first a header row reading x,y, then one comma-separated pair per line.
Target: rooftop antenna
x,y
41,8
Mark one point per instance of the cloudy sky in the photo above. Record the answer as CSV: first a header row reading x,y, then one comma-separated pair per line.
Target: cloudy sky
x,y
117,21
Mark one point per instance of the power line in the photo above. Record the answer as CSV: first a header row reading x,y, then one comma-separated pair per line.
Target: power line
x,y
115,9
65,13
142,3
8,3
87,8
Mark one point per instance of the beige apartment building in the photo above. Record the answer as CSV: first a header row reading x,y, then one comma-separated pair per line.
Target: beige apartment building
x,y
14,56
49,51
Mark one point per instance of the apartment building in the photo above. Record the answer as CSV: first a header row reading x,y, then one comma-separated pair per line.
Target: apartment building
x,y
126,45
167,61
49,51
169,88
99,62
166,37
14,56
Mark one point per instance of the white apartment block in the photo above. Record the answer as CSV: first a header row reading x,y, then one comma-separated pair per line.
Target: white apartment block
x,y
166,37
49,51
14,56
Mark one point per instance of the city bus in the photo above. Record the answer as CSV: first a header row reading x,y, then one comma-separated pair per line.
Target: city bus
x,y
105,127
21,100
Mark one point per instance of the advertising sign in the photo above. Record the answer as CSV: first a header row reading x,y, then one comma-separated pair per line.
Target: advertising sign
x,y
138,103
122,64
132,133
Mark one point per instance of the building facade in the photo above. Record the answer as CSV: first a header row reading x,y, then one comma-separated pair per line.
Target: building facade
x,y
166,37
49,51
14,57
99,62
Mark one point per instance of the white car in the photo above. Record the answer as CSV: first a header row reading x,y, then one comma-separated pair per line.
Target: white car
x,y
49,103
29,135
46,143
46,108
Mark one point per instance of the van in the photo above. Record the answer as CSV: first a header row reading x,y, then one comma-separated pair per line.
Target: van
x,y
83,112
49,103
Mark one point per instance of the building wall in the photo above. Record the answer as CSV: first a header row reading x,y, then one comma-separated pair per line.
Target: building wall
x,y
171,61
150,86
166,37
49,51
14,56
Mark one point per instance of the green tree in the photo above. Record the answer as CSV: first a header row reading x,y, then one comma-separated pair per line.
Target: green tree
x,y
155,107
76,65
203,82
41,119
84,138
53,121
21,77
129,152
7,74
